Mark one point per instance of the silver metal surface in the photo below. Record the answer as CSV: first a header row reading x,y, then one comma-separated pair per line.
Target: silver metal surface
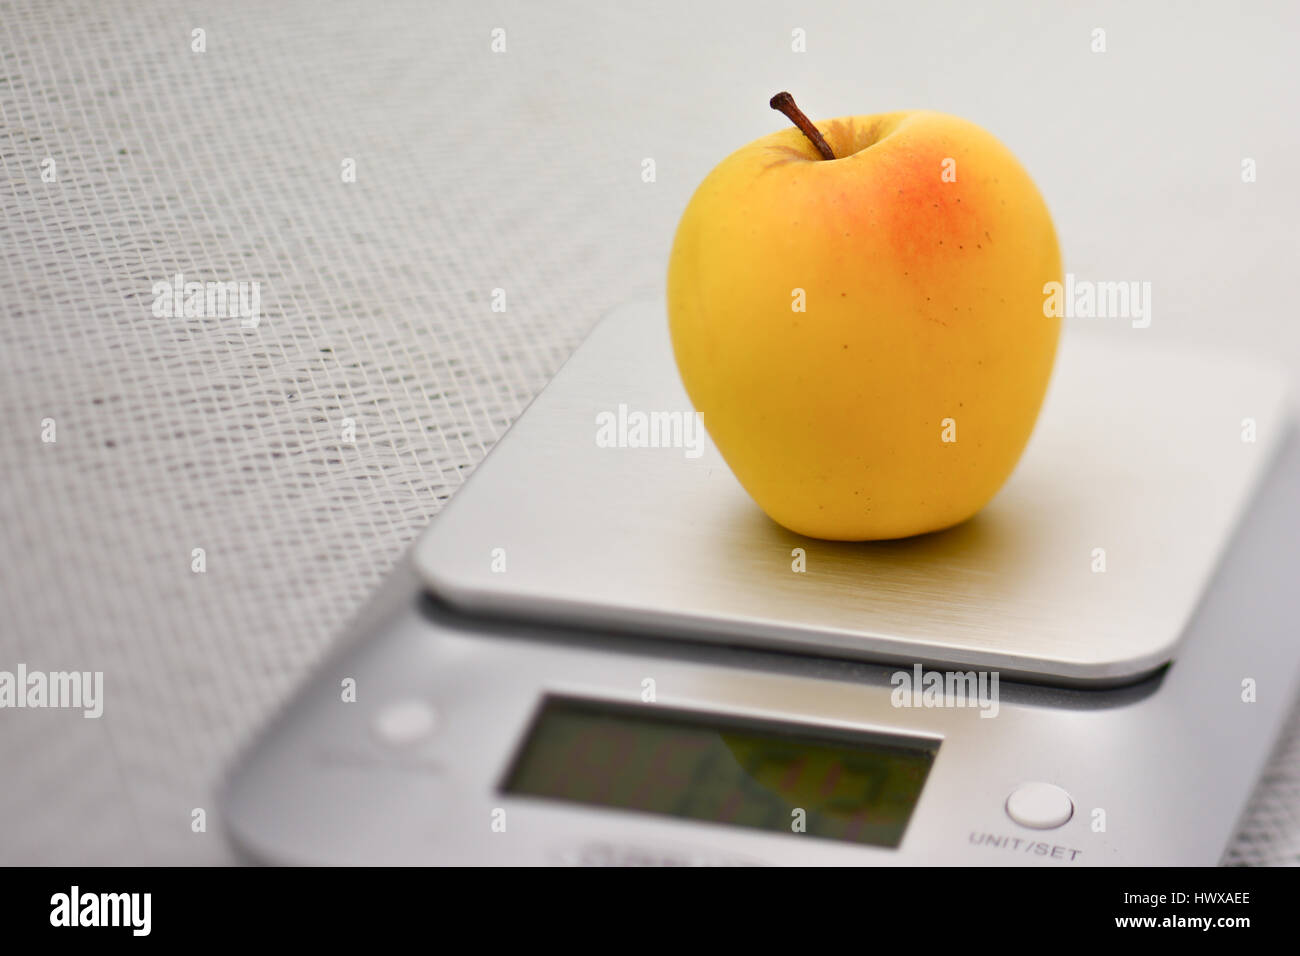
x,y
1138,453
1170,760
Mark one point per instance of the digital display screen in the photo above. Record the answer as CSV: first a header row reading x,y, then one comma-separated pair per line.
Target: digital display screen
x,y
785,778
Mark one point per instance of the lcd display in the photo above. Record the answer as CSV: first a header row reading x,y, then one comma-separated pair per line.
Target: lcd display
x,y
786,778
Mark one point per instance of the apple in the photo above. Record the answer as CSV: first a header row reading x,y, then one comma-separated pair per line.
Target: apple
x,y
856,309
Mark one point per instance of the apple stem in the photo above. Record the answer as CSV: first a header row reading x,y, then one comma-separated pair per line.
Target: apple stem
x,y
784,103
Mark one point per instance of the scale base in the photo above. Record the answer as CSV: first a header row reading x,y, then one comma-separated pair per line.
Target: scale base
x,y
1171,759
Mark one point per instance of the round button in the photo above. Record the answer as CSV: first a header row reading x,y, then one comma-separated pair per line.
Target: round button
x,y
405,722
1041,806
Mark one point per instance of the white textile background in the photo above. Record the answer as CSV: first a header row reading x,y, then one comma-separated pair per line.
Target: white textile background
x,y
475,171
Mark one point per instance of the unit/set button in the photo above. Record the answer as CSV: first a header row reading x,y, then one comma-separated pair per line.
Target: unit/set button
x,y
1041,806
405,722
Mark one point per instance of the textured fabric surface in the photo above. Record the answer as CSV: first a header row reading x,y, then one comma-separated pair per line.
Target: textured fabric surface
x,y
520,171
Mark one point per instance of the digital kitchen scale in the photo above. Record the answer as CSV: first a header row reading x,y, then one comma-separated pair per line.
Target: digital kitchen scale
x,y
603,652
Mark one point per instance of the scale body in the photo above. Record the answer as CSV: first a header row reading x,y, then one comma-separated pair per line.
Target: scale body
x,y
574,595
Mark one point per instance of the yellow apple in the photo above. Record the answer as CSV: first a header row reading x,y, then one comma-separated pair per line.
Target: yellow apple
x,y
865,335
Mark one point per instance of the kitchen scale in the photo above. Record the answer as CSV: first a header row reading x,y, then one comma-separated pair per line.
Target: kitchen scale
x,y
602,652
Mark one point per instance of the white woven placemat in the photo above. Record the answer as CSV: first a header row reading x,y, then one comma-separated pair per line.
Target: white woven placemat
x,y
476,171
